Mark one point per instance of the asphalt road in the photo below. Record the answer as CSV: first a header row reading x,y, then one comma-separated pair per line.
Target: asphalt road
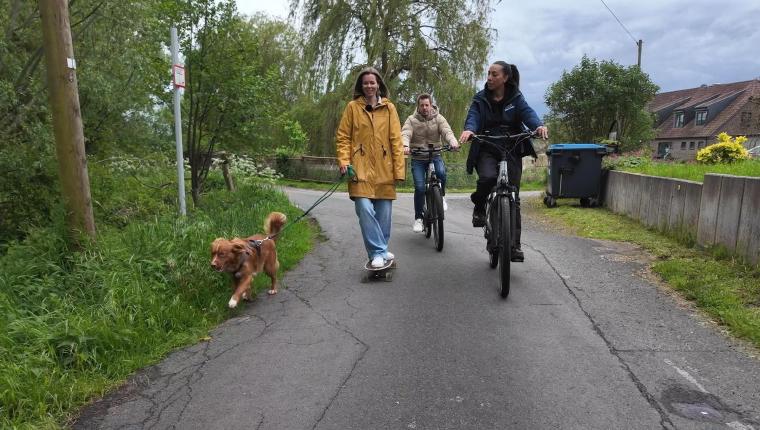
x,y
584,341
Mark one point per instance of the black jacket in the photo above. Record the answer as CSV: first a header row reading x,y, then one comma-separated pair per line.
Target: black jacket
x,y
516,115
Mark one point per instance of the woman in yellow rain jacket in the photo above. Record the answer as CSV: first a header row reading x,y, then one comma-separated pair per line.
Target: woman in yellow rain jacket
x,y
369,139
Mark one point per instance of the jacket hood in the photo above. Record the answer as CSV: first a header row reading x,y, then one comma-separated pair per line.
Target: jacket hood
x,y
510,94
382,90
421,117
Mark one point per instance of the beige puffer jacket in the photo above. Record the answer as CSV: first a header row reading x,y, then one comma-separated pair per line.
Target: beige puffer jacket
x,y
419,131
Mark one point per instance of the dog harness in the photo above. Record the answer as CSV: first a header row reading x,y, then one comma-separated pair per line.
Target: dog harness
x,y
256,244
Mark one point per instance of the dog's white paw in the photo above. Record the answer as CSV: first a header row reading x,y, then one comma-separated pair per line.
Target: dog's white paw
x,y
232,303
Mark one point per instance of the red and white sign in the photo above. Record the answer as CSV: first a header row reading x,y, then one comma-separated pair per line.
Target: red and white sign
x,y
178,75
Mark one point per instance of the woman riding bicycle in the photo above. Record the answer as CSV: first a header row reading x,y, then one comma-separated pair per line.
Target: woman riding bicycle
x,y
498,109
424,127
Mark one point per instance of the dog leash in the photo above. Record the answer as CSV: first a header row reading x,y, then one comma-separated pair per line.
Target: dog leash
x,y
256,244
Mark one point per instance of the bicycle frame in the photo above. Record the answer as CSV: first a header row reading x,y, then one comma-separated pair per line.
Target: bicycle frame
x,y
503,187
433,215
431,178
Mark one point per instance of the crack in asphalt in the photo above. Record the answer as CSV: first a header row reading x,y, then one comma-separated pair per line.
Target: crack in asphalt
x,y
322,267
184,390
665,421
339,326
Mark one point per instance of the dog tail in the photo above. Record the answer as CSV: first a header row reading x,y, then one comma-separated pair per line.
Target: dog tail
x,y
274,223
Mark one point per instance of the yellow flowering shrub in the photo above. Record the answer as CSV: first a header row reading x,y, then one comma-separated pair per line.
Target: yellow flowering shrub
x,y
727,150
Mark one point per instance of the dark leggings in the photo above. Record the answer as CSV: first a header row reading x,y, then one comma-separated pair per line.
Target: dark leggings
x,y
488,170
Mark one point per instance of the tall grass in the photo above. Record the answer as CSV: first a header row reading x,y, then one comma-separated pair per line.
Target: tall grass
x,y
690,171
75,324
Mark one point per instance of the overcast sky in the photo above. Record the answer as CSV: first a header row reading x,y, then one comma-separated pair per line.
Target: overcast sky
x,y
686,42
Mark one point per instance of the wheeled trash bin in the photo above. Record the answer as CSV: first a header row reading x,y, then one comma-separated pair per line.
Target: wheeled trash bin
x,y
574,171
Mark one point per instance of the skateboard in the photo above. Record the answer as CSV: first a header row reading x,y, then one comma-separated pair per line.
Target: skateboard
x,y
384,273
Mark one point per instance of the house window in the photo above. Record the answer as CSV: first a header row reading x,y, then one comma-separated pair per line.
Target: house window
x,y
746,119
663,150
701,117
683,145
679,119
691,146
701,144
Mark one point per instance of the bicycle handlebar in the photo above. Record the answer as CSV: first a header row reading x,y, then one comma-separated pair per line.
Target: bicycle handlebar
x,y
420,151
517,137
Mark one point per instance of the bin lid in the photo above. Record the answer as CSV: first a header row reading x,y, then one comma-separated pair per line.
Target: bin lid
x,y
575,146
561,147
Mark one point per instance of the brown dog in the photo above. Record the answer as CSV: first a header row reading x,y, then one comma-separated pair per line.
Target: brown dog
x,y
246,258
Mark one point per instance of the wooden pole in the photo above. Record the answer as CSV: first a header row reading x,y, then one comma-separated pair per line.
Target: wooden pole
x,y
67,119
228,179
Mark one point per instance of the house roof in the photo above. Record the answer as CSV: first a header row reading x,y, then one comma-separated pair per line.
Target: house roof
x,y
703,96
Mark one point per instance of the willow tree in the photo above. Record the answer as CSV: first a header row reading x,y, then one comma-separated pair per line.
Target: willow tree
x,y
417,45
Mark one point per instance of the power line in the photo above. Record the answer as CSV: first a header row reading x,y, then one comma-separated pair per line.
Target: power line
x,y
619,22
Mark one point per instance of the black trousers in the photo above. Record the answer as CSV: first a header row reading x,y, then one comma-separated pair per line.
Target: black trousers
x,y
488,170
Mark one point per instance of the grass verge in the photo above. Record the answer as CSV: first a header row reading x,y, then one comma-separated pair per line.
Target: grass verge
x,y
725,288
690,171
76,324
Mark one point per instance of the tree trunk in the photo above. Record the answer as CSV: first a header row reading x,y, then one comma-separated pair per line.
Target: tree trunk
x,y
228,179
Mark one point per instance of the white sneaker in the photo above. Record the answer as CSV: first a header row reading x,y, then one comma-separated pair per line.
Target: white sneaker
x,y
445,205
378,262
417,226
388,256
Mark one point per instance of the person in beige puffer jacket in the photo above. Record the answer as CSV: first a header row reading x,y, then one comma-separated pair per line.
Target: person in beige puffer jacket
x,y
426,126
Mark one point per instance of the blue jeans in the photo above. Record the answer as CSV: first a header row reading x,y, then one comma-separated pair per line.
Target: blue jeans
x,y
419,170
375,223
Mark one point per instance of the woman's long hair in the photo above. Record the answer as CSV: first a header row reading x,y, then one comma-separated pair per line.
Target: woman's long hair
x,y
382,90
513,76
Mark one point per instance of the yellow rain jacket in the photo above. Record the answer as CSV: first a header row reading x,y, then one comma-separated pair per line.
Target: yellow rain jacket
x,y
370,141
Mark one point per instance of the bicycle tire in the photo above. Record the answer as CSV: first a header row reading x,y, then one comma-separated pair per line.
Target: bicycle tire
x,y
436,209
427,217
505,242
492,235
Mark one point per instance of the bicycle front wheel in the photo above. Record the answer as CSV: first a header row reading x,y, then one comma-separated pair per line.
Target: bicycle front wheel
x,y
492,232
427,218
505,241
436,210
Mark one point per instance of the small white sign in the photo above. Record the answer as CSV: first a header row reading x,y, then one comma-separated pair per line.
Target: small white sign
x,y
179,76
71,63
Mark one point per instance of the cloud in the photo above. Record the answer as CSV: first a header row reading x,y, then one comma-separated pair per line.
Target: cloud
x,y
685,42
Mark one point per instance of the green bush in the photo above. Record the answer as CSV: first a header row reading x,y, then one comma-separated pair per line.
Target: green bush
x,y
624,162
28,190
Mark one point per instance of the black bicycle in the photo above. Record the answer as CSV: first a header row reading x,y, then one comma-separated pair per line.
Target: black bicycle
x,y
432,215
499,230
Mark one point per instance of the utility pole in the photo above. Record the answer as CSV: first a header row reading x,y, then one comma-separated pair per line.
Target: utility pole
x,y
178,81
67,120
639,43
